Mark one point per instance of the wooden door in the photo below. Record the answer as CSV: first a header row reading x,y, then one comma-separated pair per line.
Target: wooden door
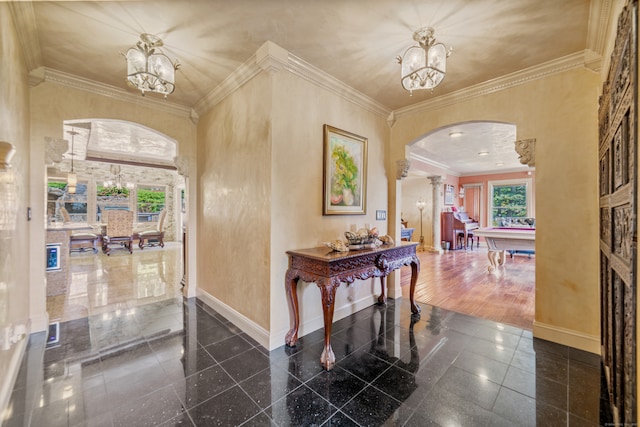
x,y
618,219
472,202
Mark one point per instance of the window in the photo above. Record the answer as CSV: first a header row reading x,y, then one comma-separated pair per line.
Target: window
x,y
75,204
151,200
109,198
509,199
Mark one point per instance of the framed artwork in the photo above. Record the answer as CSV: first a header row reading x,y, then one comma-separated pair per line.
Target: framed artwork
x,y
448,194
344,173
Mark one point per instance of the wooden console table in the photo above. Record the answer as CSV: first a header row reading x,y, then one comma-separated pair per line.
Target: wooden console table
x,y
328,269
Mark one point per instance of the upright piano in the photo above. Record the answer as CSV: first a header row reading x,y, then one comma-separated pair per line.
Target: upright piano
x,y
454,223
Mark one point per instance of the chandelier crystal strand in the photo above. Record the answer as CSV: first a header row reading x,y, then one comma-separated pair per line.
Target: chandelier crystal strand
x,y
424,64
148,68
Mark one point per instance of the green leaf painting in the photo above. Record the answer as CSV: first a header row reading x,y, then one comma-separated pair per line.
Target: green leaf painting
x,y
345,175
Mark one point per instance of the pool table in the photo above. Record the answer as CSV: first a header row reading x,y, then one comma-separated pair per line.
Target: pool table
x,y
499,240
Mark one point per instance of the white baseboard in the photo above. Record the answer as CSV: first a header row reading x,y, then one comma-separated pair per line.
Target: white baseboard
x,y
275,340
247,325
9,377
311,325
568,337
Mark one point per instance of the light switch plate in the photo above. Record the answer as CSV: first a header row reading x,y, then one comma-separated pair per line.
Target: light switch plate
x,y
381,215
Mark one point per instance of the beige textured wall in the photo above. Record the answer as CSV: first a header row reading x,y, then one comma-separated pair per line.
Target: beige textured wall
x,y
260,192
300,109
560,111
14,198
234,192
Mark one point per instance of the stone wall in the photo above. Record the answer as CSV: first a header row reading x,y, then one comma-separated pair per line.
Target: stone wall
x,y
94,173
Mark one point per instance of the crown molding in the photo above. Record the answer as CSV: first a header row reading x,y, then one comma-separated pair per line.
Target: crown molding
x,y
234,81
599,20
69,80
271,58
427,161
326,81
24,20
569,62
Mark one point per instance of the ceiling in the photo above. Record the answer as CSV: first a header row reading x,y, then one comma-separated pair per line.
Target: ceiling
x,y
352,40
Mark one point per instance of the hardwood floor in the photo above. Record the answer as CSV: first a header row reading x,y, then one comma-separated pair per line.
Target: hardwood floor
x,y
459,281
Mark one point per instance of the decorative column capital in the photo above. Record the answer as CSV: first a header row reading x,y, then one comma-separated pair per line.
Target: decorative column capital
x,y
526,149
182,165
54,149
402,168
435,180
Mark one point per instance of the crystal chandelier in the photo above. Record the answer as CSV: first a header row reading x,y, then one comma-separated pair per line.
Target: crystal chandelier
x,y
424,65
72,178
148,69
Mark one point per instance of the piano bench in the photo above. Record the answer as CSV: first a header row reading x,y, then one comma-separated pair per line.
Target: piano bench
x,y
470,237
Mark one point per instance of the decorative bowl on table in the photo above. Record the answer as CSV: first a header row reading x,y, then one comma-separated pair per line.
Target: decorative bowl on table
x,y
363,239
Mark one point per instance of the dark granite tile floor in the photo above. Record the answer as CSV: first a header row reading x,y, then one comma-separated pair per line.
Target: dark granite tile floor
x,y
189,366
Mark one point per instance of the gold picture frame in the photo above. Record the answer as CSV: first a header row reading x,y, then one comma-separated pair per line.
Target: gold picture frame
x,y
344,173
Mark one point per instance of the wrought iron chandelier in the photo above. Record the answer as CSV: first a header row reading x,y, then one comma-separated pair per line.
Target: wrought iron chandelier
x,y
148,68
424,64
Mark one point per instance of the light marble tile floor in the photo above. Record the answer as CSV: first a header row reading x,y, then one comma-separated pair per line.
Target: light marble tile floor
x,y
98,283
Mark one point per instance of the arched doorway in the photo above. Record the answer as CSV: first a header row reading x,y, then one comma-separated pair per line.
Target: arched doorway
x,y
473,158
123,166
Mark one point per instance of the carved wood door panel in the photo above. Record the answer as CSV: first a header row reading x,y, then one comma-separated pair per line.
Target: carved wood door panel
x,y
618,218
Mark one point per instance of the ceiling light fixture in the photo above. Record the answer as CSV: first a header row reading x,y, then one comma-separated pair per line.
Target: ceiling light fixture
x,y
424,65
117,184
72,178
148,68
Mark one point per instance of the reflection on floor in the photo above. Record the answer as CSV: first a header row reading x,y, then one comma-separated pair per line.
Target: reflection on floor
x,y
121,281
177,362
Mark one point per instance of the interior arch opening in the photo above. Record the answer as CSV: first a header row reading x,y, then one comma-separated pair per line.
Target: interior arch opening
x,y
113,165
478,166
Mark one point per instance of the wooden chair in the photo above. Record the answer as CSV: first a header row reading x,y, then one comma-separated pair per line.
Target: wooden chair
x,y
80,241
119,231
153,237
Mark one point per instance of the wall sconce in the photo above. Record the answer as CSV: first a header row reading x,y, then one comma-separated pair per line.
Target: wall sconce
x,y
461,195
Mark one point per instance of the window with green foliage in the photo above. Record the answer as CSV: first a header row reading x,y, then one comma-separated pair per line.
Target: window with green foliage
x,y
75,204
151,201
111,198
509,199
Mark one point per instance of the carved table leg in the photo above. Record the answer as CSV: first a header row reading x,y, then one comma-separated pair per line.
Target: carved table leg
x,y
328,359
291,286
415,270
382,299
502,257
493,260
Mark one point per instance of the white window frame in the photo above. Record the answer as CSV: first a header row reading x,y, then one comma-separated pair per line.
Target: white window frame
x,y
528,183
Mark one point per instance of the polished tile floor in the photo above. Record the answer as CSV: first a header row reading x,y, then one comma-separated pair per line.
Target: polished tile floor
x,y
133,352
177,362
121,281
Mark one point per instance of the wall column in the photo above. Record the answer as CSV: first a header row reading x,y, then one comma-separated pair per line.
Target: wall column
x,y
187,282
436,185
